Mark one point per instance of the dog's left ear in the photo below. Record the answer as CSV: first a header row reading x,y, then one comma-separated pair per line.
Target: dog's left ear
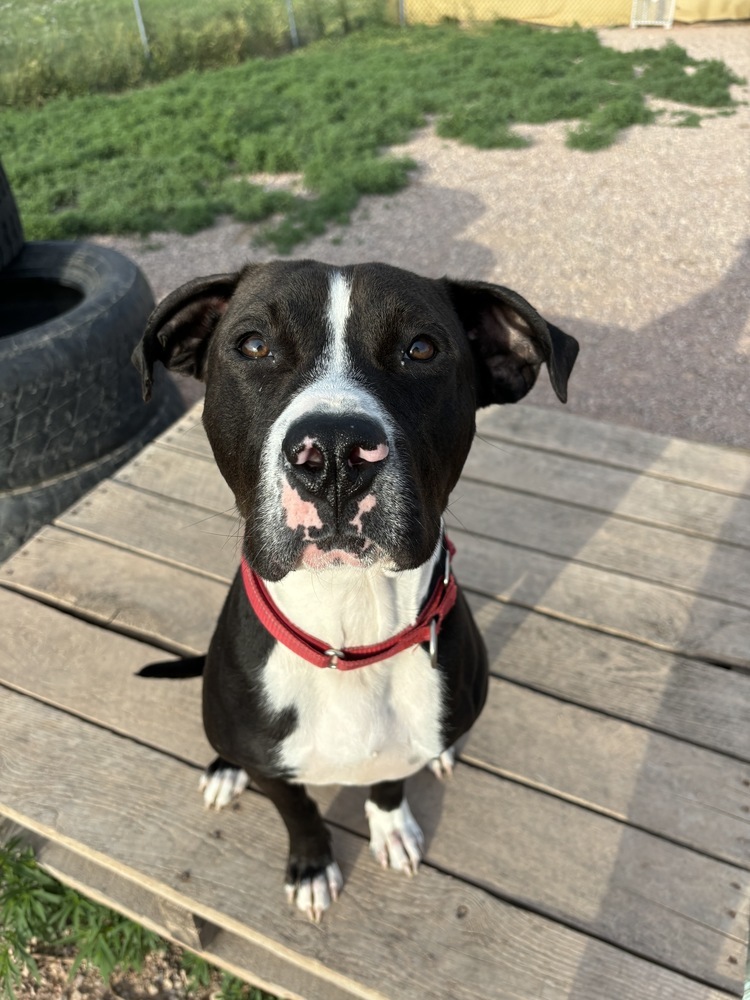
x,y
180,328
510,341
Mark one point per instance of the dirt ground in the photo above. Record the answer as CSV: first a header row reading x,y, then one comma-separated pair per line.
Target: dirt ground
x,y
161,978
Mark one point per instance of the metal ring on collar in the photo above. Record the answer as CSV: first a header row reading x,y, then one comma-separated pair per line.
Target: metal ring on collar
x,y
433,642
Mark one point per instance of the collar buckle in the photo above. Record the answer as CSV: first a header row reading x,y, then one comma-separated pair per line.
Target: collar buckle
x,y
335,655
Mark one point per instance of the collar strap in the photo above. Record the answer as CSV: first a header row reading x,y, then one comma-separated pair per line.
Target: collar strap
x,y
315,651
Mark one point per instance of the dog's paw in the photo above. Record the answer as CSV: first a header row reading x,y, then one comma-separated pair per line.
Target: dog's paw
x,y
442,766
313,889
220,783
396,841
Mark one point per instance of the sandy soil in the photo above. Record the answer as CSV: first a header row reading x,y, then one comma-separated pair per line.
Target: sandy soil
x,y
642,251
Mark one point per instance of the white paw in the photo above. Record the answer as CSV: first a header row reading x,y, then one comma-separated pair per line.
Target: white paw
x,y
442,766
314,895
222,785
396,840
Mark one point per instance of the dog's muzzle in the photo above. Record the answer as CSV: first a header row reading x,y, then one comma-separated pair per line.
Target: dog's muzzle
x,y
334,458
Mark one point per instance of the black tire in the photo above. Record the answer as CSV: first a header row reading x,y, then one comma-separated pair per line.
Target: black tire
x,y
69,396
25,510
11,231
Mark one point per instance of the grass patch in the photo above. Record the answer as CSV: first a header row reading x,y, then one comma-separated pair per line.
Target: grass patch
x,y
49,48
176,155
39,915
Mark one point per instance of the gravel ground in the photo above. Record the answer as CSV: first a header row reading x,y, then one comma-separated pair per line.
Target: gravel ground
x,y
161,978
642,250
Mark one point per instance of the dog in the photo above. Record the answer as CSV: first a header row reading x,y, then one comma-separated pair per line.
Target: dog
x,y
340,406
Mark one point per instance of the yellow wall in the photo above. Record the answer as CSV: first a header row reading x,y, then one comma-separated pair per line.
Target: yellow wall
x,y
587,13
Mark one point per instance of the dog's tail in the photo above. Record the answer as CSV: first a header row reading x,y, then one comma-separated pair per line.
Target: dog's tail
x,y
191,666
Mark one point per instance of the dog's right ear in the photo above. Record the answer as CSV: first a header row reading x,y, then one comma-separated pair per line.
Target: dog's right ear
x,y
180,328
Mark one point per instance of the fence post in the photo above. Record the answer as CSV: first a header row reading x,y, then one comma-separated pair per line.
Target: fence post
x,y
141,29
402,13
292,24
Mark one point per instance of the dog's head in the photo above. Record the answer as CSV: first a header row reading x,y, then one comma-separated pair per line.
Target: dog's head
x,y
340,402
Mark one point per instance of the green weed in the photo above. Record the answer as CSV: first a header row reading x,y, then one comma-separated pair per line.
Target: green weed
x,y
49,48
687,119
39,914
176,155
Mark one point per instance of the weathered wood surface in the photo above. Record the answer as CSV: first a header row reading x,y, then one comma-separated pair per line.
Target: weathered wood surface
x,y
716,468
678,619
143,827
638,496
686,793
683,697
599,821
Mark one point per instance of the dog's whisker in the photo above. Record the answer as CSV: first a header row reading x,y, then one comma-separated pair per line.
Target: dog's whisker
x,y
491,442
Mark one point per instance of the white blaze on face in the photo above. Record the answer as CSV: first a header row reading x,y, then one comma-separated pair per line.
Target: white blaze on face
x,y
339,307
331,387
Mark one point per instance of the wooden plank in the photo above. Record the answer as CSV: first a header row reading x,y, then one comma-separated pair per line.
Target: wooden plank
x,y
78,573
163,916
167,472
172,530
681,697
663,617
142,825
188,535
660,616
191,439
603,540
713,467
659,503
667,693
691,795
645,499
117,588
688,794
92,672
628,887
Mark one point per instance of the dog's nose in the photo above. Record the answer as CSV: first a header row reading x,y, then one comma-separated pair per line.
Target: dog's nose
x,y
335,457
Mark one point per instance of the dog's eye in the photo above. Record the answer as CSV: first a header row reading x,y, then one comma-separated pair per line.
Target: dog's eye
x,y
421,349
255,346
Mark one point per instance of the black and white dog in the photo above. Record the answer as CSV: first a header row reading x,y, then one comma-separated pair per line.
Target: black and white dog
x,y
340,405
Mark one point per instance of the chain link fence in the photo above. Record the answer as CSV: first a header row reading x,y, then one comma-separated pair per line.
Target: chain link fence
x,y
49,47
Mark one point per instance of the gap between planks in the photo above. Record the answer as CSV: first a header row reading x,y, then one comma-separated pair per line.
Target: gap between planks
x,y
562,881
643,611
77,573
716,467
690,795
152,791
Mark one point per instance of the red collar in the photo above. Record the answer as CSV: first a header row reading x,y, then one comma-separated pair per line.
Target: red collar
x,y
315,651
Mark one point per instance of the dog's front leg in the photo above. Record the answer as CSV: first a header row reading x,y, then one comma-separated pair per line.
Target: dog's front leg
x,y
396,839
313,879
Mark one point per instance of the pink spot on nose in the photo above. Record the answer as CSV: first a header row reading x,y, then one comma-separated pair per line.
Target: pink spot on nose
x,y
364,507
359,455
299,513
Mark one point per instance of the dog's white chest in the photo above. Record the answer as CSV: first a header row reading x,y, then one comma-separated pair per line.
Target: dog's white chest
x,y
376,723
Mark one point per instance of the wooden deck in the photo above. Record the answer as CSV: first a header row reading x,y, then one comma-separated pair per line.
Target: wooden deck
x,y
595,840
